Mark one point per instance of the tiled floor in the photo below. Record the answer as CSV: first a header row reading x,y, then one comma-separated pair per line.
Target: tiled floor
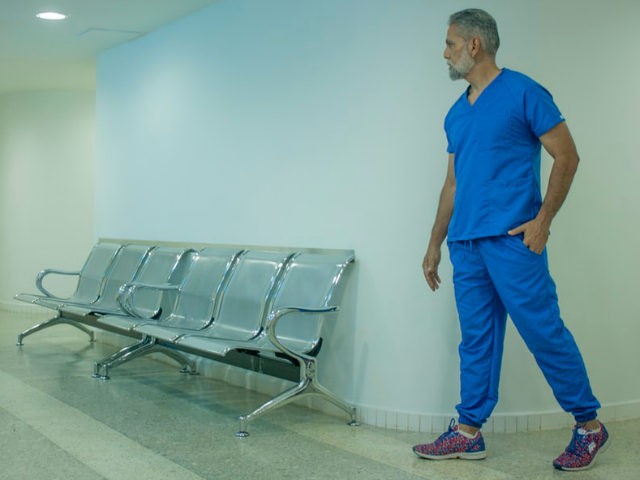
x,y
150,422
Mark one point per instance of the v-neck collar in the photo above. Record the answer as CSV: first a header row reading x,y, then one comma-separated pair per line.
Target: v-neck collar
x,y
482,93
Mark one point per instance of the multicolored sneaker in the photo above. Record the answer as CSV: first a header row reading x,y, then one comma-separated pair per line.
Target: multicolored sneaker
x,y
453,444
583,449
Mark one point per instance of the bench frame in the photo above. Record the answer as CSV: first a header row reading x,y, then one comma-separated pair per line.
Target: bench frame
x,y
285,364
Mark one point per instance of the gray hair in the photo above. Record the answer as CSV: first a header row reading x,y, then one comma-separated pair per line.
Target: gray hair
x,y
474,22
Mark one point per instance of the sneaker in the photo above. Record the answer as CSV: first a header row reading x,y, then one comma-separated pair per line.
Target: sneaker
x,y
453,444
583,449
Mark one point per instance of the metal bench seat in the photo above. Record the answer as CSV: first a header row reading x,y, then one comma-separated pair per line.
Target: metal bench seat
x,y
123,269
259,309
242,303
74,312
191,304
162,265
310,290
217,285
90,278
304,296
286,324
144,262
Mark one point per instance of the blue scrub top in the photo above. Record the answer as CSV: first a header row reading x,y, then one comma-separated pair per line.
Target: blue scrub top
x,y
496,148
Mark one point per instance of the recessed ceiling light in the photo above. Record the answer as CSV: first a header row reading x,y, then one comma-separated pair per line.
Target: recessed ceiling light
x,y
51,16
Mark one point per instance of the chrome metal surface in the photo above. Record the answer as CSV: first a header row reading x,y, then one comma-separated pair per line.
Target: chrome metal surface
x,y
90,276
125,264
57,320
262,304
146,346
311,279
161,266
127,293
52,271
246,298
123,269
190,311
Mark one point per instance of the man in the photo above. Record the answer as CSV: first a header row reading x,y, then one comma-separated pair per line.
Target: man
x,y
497,225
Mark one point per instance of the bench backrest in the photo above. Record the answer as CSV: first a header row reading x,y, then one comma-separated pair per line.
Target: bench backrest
x,y
161,265
311,280
247,297
122,270
93,272
195,303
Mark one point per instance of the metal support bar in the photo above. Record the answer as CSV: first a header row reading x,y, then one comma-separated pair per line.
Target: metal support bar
x,y
307,386
146,346
58,320
97,366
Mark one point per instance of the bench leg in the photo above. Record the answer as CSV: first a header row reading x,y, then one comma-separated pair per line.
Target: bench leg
x,y
188,366
144,347
59,320
307,386
107,361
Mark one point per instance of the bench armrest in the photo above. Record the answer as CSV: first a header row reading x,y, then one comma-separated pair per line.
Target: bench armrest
x,y
126,297
44,273
275,317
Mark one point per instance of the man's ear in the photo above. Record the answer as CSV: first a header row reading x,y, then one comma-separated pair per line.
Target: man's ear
x,y
474,46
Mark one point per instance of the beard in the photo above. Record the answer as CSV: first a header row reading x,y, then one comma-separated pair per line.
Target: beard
x,y
463,67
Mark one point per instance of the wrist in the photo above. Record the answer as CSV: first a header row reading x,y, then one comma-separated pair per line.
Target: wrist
x,y
544,218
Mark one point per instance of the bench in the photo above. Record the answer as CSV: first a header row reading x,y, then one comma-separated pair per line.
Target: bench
x,y
103,280
256,308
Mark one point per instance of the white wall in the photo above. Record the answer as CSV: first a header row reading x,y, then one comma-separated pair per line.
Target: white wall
x,y
319,124
46,186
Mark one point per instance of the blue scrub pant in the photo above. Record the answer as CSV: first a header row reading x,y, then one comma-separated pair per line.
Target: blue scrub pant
x,y
498,275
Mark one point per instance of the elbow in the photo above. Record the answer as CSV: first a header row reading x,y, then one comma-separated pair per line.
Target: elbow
x,y
569,162
576,162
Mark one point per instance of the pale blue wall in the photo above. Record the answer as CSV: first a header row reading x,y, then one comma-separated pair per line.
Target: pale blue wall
x,y
319,124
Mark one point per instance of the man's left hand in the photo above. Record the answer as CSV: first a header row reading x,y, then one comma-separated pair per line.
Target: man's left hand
x,y
536,234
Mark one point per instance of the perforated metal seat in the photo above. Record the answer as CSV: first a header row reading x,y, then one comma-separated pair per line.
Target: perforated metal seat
x,y
187,306
300,297
309,289
90,277
162,266
197,298
247,298
258,309
122,269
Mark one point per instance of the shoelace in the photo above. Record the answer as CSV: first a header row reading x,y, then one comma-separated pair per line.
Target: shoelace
x,y
449,432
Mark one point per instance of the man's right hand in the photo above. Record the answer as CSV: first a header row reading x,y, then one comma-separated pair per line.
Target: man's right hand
x,y
430,267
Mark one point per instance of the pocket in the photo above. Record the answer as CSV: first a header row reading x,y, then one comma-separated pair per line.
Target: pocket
x,y
516,242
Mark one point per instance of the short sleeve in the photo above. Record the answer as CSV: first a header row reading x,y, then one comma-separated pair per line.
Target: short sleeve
x,y
541,112
450,148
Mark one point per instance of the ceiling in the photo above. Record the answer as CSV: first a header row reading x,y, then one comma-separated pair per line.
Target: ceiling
x,y
37,54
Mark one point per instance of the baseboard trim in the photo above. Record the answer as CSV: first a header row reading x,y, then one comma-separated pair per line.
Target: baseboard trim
x,y
498,423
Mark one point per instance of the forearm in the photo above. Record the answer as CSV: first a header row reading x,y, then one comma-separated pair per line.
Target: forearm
x,y
559,143
443,216
431,259
445,207
562,173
